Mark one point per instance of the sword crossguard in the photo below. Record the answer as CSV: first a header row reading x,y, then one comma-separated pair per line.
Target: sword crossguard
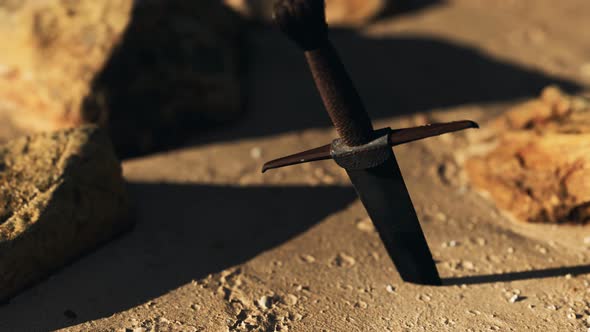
x,y
339,152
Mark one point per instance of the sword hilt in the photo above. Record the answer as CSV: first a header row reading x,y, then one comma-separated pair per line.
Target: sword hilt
x,y
304,22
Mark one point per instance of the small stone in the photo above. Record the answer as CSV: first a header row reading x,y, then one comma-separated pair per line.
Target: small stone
x,y
366,225
468,265
292,299
265,302
515,298
441,216
510,250
256,153
390,288
361,304
307,258
343,260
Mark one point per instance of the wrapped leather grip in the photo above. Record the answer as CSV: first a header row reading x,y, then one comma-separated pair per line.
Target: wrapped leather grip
x,y
304,22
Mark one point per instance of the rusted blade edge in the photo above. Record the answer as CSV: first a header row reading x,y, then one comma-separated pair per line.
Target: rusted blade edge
x,y
405,135
321,153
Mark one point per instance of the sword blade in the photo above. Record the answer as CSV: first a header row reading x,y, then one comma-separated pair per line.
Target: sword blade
x,y
385,197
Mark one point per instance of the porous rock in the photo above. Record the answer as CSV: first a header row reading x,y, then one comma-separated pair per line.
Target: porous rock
x,y
61,194
539,169
152,71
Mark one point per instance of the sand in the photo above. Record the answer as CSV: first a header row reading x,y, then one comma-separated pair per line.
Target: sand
x,y
218,246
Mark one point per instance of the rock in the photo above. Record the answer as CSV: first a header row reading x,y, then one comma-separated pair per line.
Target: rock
x,y
539,170
151,71
61,194
338,12
50,53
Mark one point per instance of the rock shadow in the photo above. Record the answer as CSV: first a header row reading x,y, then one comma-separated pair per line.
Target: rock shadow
x,y
183,233
395,76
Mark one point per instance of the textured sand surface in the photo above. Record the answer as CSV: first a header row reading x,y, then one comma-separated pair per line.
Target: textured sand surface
x,y
218,246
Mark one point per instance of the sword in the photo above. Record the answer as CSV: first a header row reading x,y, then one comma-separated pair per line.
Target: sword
x,y
366,154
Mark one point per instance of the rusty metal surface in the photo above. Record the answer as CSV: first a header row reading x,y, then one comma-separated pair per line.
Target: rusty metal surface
x,y
321,153
406,135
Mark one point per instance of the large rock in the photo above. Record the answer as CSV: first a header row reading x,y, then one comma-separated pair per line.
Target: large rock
x,y
50,52
338,12
151,71
61,194
539,168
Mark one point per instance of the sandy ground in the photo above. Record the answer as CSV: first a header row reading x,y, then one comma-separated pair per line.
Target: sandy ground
x,y
219,246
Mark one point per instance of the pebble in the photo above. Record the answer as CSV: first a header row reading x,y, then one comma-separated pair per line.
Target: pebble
x,y
515,298
451,243
292,299
265,302
256,152
468,265
361,304
366,225
308,258
344,260
390,288
441,216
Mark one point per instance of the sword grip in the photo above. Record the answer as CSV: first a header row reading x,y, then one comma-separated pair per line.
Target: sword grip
x,y
304,22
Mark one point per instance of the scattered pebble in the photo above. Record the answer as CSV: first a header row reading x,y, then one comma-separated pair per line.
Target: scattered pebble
x,y
542,250
366,225
510,250
361,304
481,241
390,288
256,152
441,216
307,258
343,260
423,297
292,299
451,243
265,302
468,265
515,298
